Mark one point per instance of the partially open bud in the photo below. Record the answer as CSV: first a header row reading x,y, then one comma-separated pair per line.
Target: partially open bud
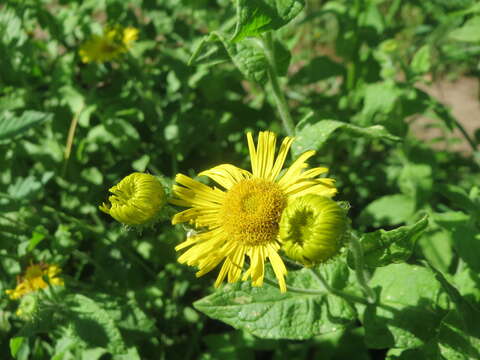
x,y
136,200
312,228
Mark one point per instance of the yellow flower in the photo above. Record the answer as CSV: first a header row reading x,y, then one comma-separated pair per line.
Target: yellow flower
x,y
312,229
115,40
242,219
34,279
137,200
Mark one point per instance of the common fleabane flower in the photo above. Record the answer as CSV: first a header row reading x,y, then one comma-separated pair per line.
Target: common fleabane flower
x,y
114,41
136,201
312,229
34,279
242,218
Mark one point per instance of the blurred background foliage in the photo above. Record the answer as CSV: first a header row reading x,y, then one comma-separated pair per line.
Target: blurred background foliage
x,y
69,131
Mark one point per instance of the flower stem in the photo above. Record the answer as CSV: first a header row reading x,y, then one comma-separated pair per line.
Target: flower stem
x,y
357,251
282,106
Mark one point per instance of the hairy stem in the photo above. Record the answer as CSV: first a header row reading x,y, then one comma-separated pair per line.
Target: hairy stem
x,y
357,251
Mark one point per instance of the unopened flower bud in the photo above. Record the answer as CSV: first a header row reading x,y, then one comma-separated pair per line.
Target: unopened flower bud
x,y
312,228
136,200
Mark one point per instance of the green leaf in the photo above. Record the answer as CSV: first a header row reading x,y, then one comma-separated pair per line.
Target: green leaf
x,y
407,314
380,98
388,210
421,60
313,136
382,247
38,235
467,282
465,236
92,325
15,345
416,180
11,125
460,198
267,313
256,17
437,248
469,32
11,29
247,55
429,351
459,334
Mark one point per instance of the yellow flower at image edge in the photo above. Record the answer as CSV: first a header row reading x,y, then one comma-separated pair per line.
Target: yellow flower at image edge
x,y
136,200
114,41
34,279
243,219
312,229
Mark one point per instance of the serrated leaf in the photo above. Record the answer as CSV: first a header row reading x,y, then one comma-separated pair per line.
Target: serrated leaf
x,y
11,125
267,313
312,136
407,314
256,17
92,325
382,247
469,32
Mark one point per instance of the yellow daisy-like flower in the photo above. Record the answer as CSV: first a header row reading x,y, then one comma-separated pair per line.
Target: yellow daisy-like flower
x,y
242,219
136,200
115,40
34,279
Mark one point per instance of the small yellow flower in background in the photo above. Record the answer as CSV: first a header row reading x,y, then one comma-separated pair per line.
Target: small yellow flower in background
x,y
34,279
243,219
312,229
115,41
136,200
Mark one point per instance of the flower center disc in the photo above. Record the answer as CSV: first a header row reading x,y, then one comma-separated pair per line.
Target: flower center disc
x,y
251,211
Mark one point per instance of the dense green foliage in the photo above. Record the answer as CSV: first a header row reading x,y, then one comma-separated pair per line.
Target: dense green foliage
x,y
200,75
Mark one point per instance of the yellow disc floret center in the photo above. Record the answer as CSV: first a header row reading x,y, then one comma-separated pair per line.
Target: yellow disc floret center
x,y
251,211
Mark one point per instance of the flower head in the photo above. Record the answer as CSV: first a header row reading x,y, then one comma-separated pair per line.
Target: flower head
x,y
242,219
136,200
312,228
34,279
114,41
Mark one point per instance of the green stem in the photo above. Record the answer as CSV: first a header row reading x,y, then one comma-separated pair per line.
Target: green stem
x,y
282,106
357,251
337,292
